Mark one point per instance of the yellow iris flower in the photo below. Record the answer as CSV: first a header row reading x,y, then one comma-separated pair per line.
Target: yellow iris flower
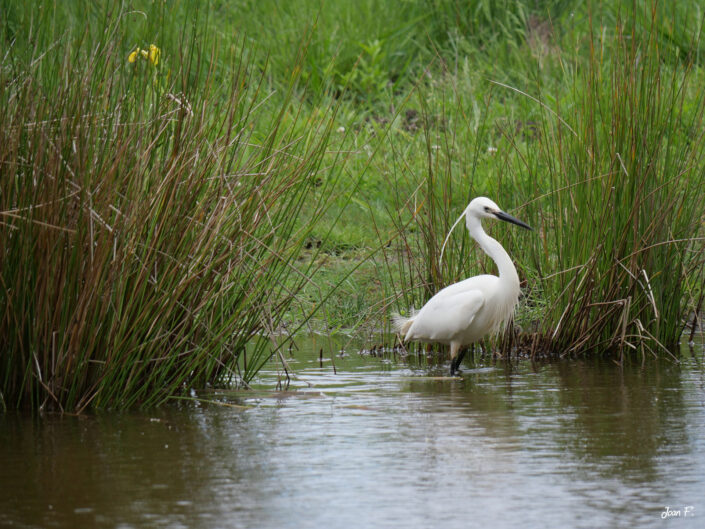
x,y
151,55
154,54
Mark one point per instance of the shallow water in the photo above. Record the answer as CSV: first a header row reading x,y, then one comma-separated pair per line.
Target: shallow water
x,y
380,444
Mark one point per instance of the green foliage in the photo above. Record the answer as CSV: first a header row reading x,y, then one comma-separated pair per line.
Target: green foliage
x,y
601,149
624,217
155,216
148,218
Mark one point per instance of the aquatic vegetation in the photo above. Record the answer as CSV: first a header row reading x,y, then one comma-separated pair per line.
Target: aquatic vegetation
x,y
162,204
148,233
609,172
623,234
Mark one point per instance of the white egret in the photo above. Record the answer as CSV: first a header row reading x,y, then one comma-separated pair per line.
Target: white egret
x,y
464,312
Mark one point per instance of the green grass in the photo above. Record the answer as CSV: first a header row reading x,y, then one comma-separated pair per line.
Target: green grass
x,y
149,218
603,153
297,166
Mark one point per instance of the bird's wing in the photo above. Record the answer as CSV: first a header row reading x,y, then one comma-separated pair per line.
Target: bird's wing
x,y
446,315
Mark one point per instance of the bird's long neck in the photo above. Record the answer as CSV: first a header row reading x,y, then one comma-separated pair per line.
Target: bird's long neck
x,y
491,247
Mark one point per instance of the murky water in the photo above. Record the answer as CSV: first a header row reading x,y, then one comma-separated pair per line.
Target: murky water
x,y
380,444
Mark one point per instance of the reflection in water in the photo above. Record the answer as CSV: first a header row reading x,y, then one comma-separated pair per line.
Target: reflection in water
x,y
380,443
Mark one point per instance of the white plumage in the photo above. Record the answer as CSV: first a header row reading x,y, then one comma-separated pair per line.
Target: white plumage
x,y
464,312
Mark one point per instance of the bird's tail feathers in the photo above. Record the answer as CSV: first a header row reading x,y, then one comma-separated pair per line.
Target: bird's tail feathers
x,y
401,324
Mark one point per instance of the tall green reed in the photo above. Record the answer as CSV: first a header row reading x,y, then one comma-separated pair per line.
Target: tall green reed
x,y
149,218
622,217
604,161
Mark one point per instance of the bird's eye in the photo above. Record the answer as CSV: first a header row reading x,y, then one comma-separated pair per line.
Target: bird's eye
x,y
487,209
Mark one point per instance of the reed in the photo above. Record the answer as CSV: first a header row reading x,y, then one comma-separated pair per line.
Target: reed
x,y
622,220
604,157
149,218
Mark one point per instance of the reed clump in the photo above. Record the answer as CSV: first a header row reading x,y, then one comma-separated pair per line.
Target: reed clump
x,y
622,217
149,219
604,158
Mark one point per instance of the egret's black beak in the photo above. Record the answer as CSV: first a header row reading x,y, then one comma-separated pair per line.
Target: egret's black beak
x,y
501,215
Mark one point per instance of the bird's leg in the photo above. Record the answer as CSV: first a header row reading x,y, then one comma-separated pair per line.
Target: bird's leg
x,y
461,356
455,359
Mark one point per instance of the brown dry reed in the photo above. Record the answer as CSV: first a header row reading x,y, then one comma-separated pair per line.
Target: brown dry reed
x,y
149,221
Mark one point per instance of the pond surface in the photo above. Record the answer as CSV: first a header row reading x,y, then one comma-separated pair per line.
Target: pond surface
x,y
380,443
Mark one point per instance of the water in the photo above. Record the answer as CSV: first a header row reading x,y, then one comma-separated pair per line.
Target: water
x,y
379,444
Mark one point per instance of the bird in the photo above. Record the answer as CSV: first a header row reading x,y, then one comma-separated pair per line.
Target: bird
x,y
464,312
